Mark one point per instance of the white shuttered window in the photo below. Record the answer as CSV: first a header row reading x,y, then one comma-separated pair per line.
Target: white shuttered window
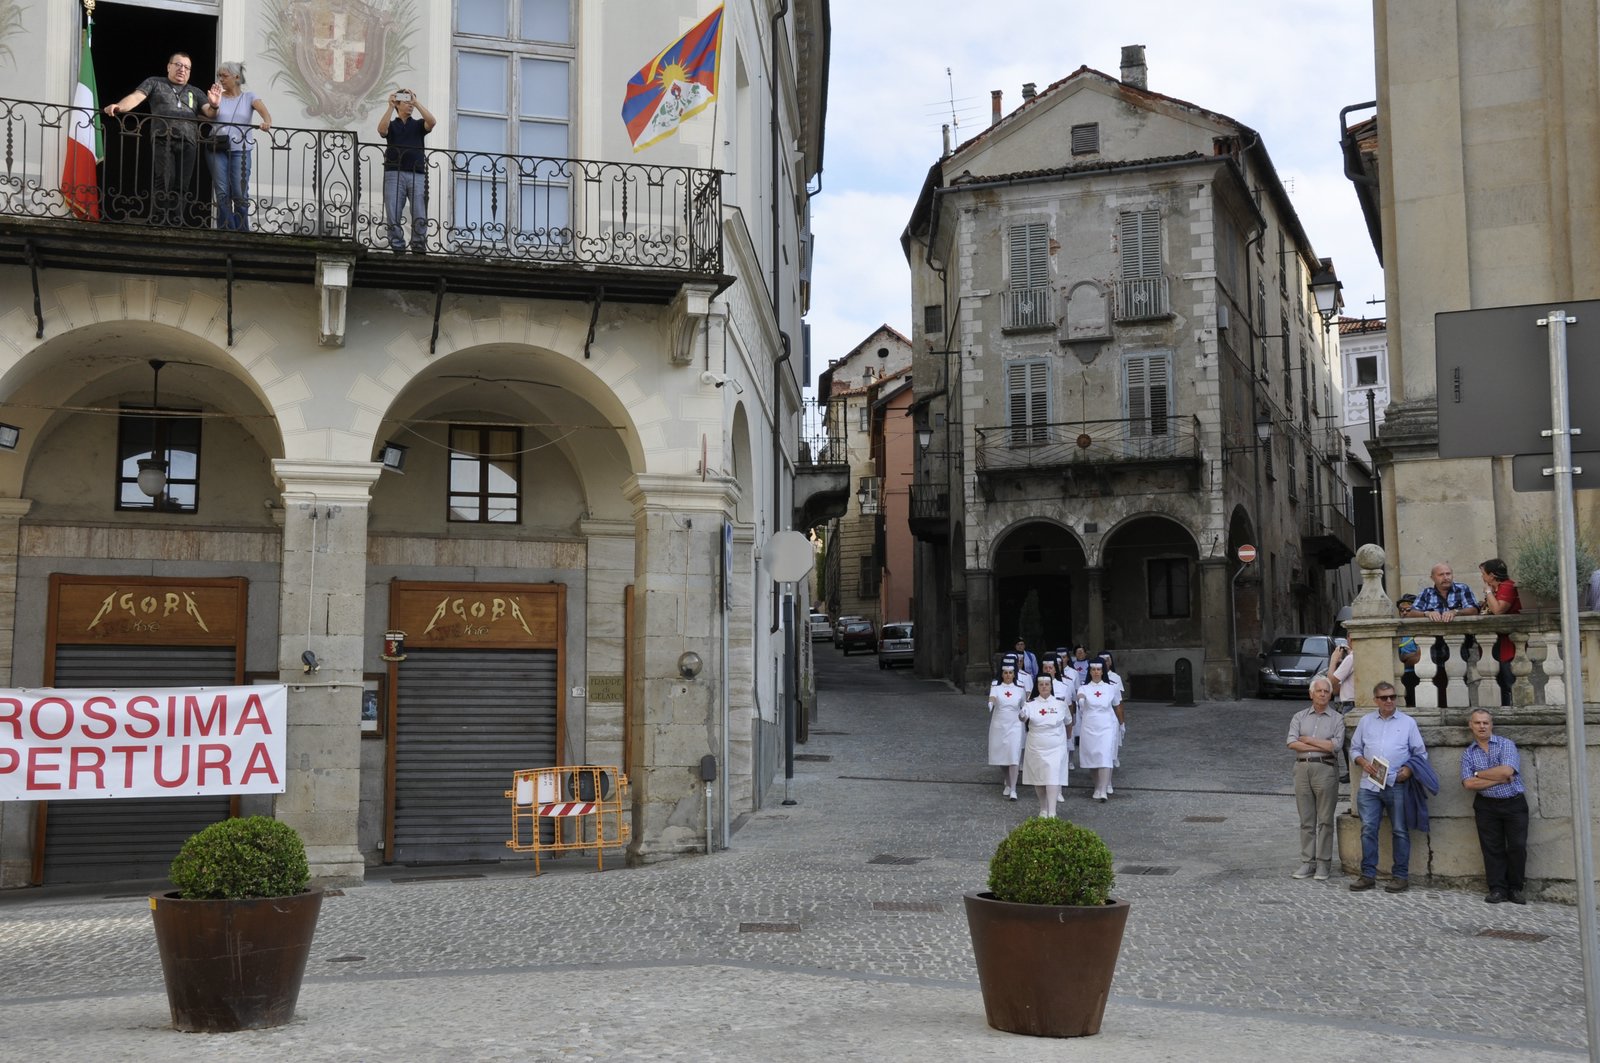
x,y
1147,383
1028,402
1030,255
1139,236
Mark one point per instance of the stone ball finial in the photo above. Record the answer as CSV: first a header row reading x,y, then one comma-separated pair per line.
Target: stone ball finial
x,y
1373,602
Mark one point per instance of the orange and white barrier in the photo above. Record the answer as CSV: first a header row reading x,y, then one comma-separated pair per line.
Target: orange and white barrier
x,y
568,807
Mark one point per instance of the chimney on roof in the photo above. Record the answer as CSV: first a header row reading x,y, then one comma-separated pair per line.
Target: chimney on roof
x,y
994,107
1133,69
1029,91
945,129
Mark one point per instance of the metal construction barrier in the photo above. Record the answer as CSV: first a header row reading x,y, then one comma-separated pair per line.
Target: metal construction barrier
x,y
566,808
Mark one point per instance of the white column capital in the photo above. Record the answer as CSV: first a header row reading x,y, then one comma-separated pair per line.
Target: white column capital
x,y
341,482
677,493
15,507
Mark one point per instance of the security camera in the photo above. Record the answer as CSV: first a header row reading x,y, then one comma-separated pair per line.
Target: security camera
x,y
310,661
717,380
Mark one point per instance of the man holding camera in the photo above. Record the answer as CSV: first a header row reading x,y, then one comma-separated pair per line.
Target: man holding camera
x,y
405,168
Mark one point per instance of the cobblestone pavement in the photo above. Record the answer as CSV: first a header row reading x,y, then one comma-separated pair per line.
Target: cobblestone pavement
x,y
834,928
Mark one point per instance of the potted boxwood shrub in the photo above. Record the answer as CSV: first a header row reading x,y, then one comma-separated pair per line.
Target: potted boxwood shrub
x,y
1047,934
235,935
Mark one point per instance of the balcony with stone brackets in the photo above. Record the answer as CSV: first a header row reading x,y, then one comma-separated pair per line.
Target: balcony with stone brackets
x,y
1088,455
527,226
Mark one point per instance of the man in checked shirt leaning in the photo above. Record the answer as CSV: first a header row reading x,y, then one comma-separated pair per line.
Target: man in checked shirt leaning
x,y
1491,768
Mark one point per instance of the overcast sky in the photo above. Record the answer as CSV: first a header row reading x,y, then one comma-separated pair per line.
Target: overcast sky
x,y
1282,67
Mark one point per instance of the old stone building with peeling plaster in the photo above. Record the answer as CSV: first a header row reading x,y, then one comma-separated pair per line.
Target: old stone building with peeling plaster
x,y
1125,378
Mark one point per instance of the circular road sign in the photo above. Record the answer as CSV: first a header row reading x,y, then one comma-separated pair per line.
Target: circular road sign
x,y
1247,553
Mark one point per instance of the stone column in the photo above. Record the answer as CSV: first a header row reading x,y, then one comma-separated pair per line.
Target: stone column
x,y
981,635
1220,676
677,720
610,572
324,588
1097,609
16,817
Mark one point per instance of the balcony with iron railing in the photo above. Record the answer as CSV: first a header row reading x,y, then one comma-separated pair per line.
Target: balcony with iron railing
x,y
1328,533
497,223
1027,309
1141,299
1130,442
822,465
930,511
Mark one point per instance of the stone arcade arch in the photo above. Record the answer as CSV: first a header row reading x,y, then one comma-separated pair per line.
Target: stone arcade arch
x,y
1039,572
1155,611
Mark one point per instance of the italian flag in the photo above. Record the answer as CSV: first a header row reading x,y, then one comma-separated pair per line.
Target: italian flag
x,y
80,186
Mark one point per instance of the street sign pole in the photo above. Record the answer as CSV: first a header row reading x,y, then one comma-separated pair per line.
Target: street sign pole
x,y
1560,435
1247,557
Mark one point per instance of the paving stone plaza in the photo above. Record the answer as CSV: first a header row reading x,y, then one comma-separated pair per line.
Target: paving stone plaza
x,y
833,928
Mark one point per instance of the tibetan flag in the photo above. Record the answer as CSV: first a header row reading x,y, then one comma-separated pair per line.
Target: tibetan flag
x,y
80,186
674,86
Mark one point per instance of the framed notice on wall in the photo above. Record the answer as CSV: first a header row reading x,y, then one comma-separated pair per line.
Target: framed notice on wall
x,y
374,706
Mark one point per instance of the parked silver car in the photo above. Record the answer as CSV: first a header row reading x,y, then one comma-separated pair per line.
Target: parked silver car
x,y
821,627
897,644
1290,663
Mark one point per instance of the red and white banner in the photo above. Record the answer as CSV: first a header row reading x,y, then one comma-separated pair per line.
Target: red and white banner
x,y
58,745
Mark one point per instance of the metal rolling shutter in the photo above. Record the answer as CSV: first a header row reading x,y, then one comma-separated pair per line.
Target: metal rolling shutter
x,y
134,837
465,720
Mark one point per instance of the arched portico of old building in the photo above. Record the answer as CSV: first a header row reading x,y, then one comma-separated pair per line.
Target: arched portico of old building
x,y
1155,611
628,471
1038,578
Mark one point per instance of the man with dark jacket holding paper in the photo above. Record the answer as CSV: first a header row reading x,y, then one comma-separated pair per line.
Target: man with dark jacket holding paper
x,y
1384,743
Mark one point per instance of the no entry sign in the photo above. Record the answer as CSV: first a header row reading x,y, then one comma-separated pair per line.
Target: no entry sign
x,y
1247,553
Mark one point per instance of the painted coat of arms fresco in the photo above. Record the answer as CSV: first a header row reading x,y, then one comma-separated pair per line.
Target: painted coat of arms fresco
x,y
339,58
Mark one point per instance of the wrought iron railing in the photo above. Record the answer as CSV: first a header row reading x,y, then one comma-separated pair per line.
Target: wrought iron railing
x,y
822,434
930,501
1142,298
1138,439
1330,519
326,183
1027,308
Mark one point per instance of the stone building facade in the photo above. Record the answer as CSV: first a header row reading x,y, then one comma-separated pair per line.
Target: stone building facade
x,y
531,447
849,389
1126,378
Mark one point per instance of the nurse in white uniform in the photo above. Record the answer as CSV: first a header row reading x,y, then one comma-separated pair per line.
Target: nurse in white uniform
x,y
1044,762
1006,697
1098,723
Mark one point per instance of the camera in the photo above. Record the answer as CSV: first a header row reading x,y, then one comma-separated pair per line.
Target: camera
x,y
402,97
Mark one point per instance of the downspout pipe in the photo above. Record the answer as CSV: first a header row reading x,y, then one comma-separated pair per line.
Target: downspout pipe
x,y
773,134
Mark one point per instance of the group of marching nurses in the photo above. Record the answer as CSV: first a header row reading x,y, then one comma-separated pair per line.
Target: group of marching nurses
x,y
1035,721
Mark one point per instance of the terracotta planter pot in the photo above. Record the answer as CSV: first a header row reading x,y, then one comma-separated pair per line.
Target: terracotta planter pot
x,y
234,965
1045,969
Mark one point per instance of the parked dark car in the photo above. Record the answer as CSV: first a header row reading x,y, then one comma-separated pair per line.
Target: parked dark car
x,y
1290,663
898,644
838,629
858,635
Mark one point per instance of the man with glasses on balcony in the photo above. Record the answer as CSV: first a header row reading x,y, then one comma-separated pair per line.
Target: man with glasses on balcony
x,y
176,108
405,169
1384,742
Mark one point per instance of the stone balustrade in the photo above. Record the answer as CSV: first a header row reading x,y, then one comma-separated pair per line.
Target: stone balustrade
x,y
1460,651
